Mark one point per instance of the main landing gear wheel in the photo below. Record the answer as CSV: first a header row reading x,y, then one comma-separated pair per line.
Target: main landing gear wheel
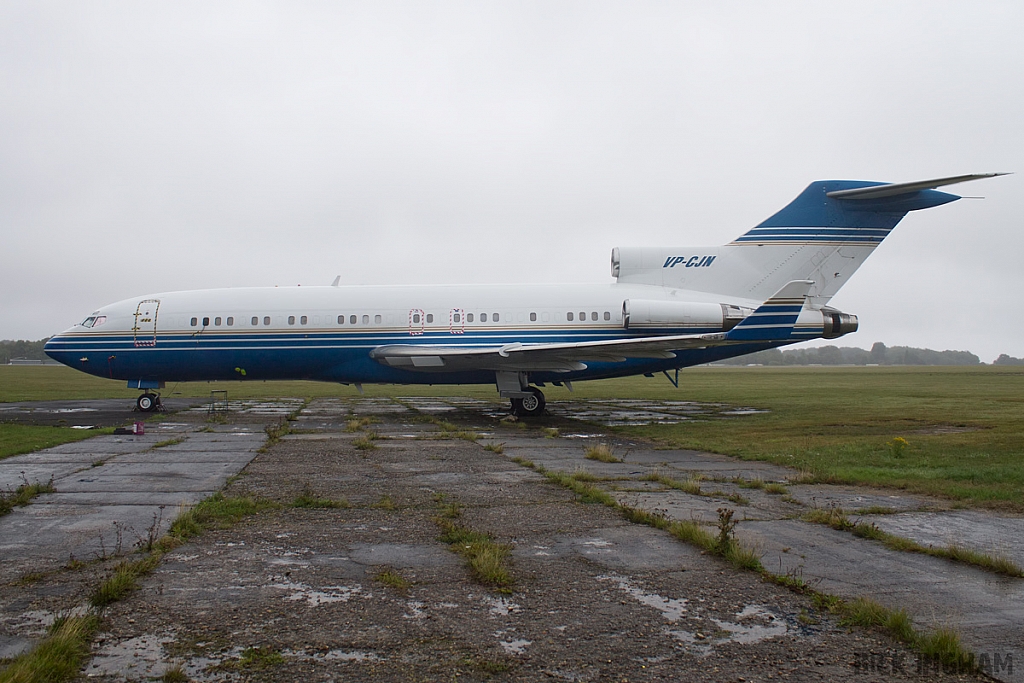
x,y
147,403
531,406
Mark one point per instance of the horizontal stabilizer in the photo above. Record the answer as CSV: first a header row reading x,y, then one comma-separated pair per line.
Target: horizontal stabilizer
x,y
776,318
894,189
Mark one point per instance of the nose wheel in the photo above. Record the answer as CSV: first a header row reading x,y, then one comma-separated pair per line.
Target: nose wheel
x,y
529,406
147,403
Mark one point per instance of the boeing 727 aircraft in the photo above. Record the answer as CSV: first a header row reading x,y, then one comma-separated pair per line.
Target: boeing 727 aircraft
x,y
669,308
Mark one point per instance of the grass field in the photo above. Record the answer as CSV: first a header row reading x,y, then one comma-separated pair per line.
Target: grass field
x,y
964,426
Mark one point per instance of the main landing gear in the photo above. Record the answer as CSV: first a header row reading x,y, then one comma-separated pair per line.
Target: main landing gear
x,y
531,405
148,403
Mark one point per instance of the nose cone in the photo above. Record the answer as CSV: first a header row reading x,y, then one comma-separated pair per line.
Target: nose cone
x,y
56,347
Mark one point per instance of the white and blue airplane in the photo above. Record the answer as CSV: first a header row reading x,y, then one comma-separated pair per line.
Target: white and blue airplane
x,y
668,308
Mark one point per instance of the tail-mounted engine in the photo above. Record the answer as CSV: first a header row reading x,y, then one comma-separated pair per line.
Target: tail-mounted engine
x,y
837,323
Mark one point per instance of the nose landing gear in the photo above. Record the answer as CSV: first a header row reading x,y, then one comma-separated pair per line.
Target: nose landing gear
x,y
148,403
531,405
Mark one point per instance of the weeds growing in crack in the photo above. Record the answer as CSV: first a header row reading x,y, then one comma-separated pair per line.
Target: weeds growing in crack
x,y
357,424
486,559
366,441
169,442
23,495
836,518
59,656
498,448
308,499
393,579
602,453
385,503
252,659
174,674
123,581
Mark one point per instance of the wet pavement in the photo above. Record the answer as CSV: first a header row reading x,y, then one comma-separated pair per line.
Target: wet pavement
x,y
596,598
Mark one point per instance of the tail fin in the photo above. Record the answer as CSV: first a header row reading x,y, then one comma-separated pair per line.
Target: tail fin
x,y
775,319
823,235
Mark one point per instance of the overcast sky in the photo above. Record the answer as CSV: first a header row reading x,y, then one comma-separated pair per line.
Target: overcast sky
x,y
149,147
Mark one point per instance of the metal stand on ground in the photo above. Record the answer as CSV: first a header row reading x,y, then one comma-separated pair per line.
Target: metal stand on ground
x,y
218,401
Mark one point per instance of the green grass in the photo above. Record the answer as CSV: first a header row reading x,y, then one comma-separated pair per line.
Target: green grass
x,y
23,495
216,512
58,657
309,500
602,453
964,426
486,559
253,659
16,439
123,581
393,579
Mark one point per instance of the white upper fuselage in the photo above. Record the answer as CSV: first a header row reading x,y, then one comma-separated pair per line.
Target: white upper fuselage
x,y
455,309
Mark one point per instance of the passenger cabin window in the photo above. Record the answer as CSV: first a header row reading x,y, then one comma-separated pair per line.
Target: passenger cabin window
x,y
195,321
366,320
352,320
495,317
483,317
533,317
607,315
303,320
216,321
593,315
416,318
266,320
569,316
456,317
291,320
255,321
430,317
376,319
583,316
341,320
469,317
206,322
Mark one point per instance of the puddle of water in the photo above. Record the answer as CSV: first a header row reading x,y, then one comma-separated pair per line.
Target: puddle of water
x,y
415,610
501,607
765,625
671,608
514,647
315,598
139,658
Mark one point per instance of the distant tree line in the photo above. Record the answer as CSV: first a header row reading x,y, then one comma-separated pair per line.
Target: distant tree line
x,y
880,354
32,350
1007,360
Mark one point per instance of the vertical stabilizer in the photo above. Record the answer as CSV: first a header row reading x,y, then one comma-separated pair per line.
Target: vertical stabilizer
x,y
823,235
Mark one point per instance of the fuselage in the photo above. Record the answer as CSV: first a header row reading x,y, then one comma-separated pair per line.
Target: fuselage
x,y
326,333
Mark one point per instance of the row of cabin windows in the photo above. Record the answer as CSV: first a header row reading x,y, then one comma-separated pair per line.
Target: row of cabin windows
x,y
217,321
353,319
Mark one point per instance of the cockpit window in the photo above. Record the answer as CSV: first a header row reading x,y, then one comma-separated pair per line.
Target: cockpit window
x,y
100,319
89,322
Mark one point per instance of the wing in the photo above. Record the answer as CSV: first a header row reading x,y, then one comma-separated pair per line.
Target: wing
x,y
774,320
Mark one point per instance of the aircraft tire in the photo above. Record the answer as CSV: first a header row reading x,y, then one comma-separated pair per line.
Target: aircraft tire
x,y
531,406
147,403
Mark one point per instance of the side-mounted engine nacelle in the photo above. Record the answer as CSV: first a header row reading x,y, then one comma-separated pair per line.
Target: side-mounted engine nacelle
x,y
639,313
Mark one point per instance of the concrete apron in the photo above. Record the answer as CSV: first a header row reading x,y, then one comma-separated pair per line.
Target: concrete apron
x,y
114,492
986,609
137,489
